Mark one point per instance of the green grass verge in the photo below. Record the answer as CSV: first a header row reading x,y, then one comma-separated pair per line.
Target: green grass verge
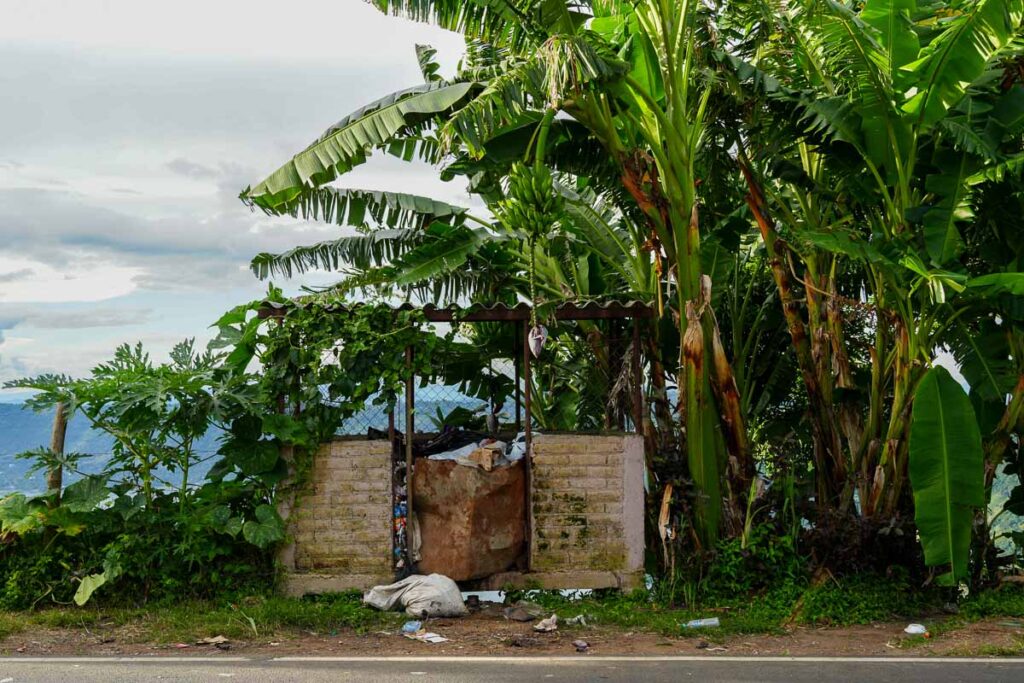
x,y
245,619
855,600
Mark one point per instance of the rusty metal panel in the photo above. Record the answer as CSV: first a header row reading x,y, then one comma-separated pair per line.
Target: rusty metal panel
x,y
472,523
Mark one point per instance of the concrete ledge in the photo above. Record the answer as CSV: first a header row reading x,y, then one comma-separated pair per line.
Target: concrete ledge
x,y
562,580
296,585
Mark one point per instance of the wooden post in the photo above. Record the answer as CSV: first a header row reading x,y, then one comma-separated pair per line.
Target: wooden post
x,y
528,440
410,398
516,363
55,476
638,381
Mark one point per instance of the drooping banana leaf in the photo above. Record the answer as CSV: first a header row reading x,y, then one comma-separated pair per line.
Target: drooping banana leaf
x,y
359,251
346,143
363,208
946,472
444,253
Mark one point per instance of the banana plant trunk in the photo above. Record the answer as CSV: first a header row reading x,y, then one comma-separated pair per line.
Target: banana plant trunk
x,y
828,450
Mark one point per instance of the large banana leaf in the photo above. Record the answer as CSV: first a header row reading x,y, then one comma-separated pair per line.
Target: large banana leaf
x,y
946,471
359,251
953,193
444,253
346,143
959,55
500,22
366,208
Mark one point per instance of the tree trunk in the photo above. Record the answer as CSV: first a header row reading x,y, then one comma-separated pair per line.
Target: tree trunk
x,y
828,453
55,476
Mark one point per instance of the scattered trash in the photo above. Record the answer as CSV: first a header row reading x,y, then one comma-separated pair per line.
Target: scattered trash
x,y
578,620
6,680
412,626
581,645
222,646
702,644
548,625
711,622
275,643
916,630
215,640
20,649
427,637
422,596
523,641
524,611
717,649
181,646
951,608
473,603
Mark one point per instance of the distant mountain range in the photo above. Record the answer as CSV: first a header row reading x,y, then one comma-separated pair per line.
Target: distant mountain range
x,y
22,430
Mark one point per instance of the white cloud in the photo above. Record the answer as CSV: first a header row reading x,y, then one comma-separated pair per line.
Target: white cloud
x,y
88,281
128,130
300,31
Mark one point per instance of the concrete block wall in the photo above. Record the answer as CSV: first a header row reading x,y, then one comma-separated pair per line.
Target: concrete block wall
x,y
586,516
340,521
587,509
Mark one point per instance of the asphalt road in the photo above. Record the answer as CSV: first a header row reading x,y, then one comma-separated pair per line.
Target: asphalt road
x,y
517,670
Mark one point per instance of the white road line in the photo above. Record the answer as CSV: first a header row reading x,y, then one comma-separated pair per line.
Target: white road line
x,y
107,660
157,659
660,658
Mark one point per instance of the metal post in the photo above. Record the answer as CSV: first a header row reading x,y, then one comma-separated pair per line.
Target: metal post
x,y
638,381
410,399
528,439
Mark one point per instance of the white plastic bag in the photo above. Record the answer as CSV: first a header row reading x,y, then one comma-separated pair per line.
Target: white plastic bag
x,y
422,596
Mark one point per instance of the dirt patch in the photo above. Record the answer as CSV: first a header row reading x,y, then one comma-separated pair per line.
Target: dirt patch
x,y
488,633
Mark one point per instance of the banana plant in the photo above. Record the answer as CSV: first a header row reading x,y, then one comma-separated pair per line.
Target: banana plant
x,y
890,122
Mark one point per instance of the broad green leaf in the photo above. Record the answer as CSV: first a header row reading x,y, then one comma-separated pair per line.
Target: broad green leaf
x,y
285,428
892,20
946,471
266,529
19,515
443,254
998,283
983,354
256,457
346,144
941,234
959,56
85,494
88,586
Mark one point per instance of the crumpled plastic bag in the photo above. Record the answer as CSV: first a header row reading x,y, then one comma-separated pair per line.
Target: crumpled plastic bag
x,y
422,596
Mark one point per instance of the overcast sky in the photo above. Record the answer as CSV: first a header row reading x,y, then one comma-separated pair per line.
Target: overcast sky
x,y
127,130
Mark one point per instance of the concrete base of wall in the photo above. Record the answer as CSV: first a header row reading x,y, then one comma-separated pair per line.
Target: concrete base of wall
x,y
563,580
297,585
